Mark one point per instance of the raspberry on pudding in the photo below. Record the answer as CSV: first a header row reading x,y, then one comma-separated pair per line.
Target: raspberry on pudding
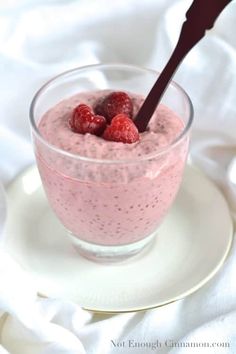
x,y
113,104
122,129
83,121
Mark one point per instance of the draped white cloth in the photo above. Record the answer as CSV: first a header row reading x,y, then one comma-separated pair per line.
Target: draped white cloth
x,y
39,39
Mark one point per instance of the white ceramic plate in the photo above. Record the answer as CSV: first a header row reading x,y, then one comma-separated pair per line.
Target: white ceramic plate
x,y
192,245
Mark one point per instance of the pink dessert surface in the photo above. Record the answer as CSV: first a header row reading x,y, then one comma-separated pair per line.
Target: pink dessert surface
x,y
109,201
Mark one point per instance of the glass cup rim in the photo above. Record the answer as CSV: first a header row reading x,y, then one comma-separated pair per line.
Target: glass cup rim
x,y
152,155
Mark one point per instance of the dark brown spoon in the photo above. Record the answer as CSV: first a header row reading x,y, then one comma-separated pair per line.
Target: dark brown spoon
x,y
200,17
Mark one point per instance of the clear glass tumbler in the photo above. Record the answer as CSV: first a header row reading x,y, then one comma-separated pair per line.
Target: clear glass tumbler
x,y
110,219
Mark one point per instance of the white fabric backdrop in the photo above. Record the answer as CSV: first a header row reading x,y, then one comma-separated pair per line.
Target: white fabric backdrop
x,y
41,38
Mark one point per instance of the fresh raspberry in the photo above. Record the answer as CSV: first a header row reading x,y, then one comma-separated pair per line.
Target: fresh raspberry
x,y
84,121
113,104
122,129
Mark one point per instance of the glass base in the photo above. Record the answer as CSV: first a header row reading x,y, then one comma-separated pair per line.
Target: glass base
x,y
110,254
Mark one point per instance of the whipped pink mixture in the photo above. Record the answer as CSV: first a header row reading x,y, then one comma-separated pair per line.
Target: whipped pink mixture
x,y
110,203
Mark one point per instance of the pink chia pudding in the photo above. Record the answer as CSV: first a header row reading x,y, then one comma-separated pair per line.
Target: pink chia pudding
x,y
110,193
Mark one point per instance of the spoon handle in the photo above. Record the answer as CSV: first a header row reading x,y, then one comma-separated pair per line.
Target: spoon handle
x,y
200,16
